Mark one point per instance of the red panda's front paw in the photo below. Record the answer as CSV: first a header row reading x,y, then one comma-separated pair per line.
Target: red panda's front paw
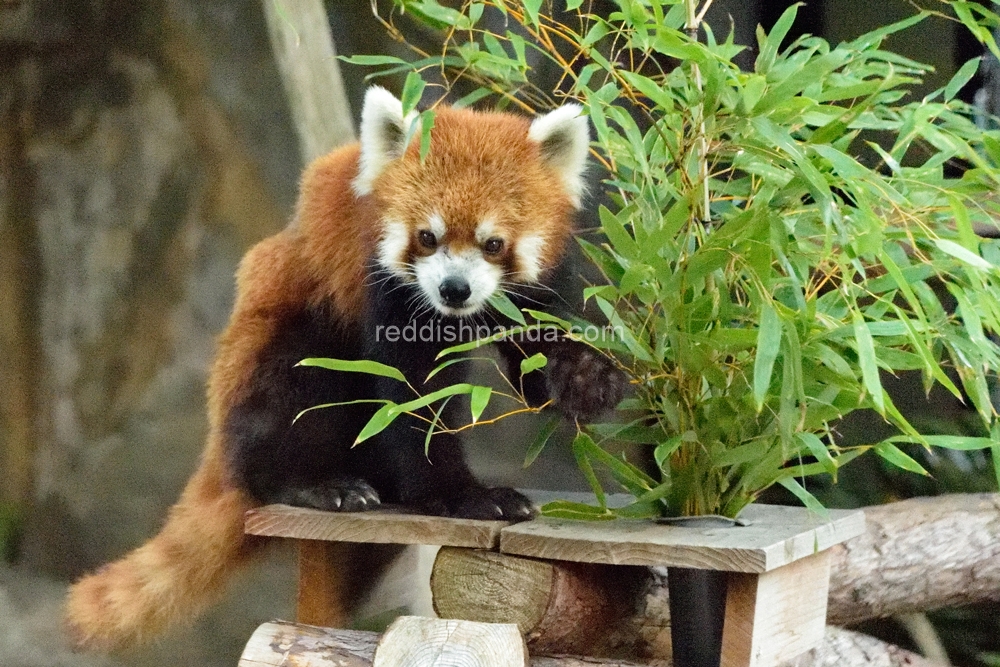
x,y
585,383
337,495
496,504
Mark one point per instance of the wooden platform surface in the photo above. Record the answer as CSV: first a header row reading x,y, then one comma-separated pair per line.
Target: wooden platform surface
x,y
774,535
382,526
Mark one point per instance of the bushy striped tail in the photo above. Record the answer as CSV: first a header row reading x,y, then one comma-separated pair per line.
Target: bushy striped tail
x,y
171,578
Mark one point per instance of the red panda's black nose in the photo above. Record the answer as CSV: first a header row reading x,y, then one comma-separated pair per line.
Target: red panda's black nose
x,y
454,291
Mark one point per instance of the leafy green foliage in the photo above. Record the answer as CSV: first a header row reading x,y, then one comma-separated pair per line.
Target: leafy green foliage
x,y
781,238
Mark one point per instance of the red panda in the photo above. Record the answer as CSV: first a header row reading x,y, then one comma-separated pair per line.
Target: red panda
x,y
381,239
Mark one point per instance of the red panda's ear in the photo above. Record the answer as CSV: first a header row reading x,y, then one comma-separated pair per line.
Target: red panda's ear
x,y
383,136
564,137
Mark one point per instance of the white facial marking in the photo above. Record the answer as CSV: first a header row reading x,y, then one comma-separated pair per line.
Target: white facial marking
x,y
486,230
529,251
438,228
393,246
482,277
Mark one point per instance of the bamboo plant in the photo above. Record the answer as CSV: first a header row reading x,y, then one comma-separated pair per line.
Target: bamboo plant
x,y
776,240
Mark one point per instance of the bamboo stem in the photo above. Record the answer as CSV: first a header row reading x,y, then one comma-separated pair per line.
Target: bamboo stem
x,y
694,19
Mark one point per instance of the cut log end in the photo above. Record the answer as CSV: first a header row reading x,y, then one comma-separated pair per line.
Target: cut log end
x,y
412,641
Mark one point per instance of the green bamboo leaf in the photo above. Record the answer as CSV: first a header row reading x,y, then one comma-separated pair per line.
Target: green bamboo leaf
x,y
373,60
426,125
808,499
434,423
443,365
413,89
665,450
638,349
632,478
531,8
390,411
866,359
473,97
581,454
619,237
356,366
378,422
323,406
502,302
434,396
478,400
899,458
751,451
533,363
770,45
963,254
768,346
818,450
565,509
962,77
546,317
957,442
480,342
538,444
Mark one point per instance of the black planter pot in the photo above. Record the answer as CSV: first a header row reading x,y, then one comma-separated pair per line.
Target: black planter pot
x,y
697,613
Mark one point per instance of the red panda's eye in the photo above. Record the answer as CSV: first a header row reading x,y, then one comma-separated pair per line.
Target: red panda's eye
x,y
493,246
427,239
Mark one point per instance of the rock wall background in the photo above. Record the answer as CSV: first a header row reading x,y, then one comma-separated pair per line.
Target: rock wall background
x,y
143,147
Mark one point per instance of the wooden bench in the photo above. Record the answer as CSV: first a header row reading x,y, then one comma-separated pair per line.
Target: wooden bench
x,y
778,563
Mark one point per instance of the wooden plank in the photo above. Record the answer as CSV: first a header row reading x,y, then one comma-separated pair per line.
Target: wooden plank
x,y
412,641
777,615
382,526
320,590
772,537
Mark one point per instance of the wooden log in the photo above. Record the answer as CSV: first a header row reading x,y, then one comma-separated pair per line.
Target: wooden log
x,y
279,644
605,602
413,641
916,555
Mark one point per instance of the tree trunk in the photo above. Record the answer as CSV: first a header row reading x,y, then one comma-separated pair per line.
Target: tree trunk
x,y
304,50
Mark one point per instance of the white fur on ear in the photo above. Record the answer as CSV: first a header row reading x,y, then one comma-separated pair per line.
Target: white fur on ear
x,y
564,137
383,136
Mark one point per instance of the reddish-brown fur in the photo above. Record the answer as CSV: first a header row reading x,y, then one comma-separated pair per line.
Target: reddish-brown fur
x,y
480,165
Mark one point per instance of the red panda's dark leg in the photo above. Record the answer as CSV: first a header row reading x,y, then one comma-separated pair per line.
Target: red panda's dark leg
x,y
281,456
433,477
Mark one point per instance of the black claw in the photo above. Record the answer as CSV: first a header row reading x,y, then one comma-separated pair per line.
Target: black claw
x,y
493,504
340,495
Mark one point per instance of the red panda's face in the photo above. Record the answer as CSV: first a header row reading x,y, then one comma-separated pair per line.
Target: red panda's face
x,y
489,207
